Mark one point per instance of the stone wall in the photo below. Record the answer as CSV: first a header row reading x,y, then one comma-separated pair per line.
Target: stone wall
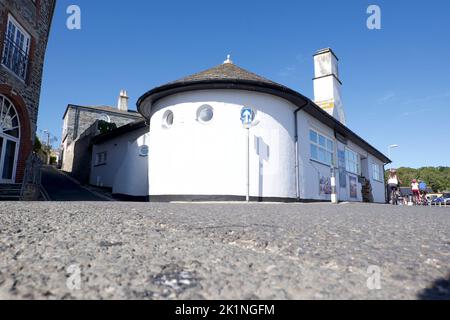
x,y
78,123
78,155
67,158
78,119
32,192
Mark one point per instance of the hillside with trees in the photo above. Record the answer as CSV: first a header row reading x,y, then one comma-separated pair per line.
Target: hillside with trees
x,y
436,178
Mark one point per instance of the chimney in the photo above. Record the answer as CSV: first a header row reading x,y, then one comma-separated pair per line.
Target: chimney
x,y
122,104
327,85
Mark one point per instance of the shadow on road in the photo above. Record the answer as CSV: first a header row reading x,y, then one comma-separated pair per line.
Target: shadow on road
x,y
439,290
61,188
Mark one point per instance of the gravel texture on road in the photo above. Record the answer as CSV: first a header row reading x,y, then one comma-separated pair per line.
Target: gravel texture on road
x,y
222,251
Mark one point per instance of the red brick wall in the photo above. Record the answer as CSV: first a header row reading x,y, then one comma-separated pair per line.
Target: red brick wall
x,y
26,144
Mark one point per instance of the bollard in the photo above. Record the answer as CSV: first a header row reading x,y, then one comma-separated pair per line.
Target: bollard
x,y
334,198
410,202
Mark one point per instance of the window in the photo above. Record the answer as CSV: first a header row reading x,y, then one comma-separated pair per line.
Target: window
x,y
9,140
205,114
322,148
9,119
168,119
16,48
104,117
101,158
377,172
352,162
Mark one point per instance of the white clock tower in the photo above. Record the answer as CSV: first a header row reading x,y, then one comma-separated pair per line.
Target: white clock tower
x,y
327,85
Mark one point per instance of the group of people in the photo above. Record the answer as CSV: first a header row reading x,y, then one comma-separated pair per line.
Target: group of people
x,y
418,188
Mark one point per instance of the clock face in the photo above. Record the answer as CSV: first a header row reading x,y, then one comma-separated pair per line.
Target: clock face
x,y
144,151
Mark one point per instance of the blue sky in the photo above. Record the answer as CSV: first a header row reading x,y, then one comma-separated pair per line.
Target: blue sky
x,y
396,80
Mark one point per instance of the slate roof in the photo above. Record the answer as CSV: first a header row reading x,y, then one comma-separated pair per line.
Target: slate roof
x,y
136,125
230,76
109,109
224,72
224,76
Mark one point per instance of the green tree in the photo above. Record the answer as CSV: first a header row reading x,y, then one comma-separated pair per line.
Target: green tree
x,y
37,145
105,127
436,178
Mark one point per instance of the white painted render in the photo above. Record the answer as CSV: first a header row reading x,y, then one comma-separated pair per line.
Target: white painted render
x,y
327,86
378,186
192,158
325,64
198,159
195,154
311,171
125,171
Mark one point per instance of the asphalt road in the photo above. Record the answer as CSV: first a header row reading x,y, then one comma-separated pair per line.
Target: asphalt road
x,y
223,251
60,188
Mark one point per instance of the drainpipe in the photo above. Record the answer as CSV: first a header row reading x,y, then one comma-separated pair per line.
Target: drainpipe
x,y
297,151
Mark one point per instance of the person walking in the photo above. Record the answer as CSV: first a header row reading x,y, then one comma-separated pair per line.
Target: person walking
x,y
393,185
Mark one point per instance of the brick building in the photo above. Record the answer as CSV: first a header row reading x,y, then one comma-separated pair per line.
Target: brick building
x,y
24,31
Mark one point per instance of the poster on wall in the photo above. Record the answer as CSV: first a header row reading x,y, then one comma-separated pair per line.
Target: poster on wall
x,y
342,172
325,185
353,187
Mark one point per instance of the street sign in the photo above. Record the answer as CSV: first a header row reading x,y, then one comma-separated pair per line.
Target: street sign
x,y
247,117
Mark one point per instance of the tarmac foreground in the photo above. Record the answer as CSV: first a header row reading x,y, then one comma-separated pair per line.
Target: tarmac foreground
x,y
111,250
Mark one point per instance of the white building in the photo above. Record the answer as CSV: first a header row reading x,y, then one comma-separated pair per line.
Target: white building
x,y
196,146
81,124
120,161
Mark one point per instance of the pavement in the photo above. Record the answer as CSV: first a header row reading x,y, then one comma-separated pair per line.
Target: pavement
x,y
60,187
115,250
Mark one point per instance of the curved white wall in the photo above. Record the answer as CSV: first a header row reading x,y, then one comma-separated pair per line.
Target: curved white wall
x,y
125,171
192,158
131,176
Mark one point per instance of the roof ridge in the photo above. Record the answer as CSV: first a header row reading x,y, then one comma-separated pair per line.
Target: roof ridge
x,y
256,75
102,106
225,71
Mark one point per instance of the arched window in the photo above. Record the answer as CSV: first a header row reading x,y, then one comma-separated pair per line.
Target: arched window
x,y
9,119
9,140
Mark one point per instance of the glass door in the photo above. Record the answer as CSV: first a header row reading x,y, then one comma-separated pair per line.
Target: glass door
x,y
9,140
9,157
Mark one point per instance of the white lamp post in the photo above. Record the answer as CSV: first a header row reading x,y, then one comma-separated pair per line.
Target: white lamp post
x,y
390,151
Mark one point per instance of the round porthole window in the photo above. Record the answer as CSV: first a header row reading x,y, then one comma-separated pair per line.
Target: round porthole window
x,y
168,119
205,113
144,151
